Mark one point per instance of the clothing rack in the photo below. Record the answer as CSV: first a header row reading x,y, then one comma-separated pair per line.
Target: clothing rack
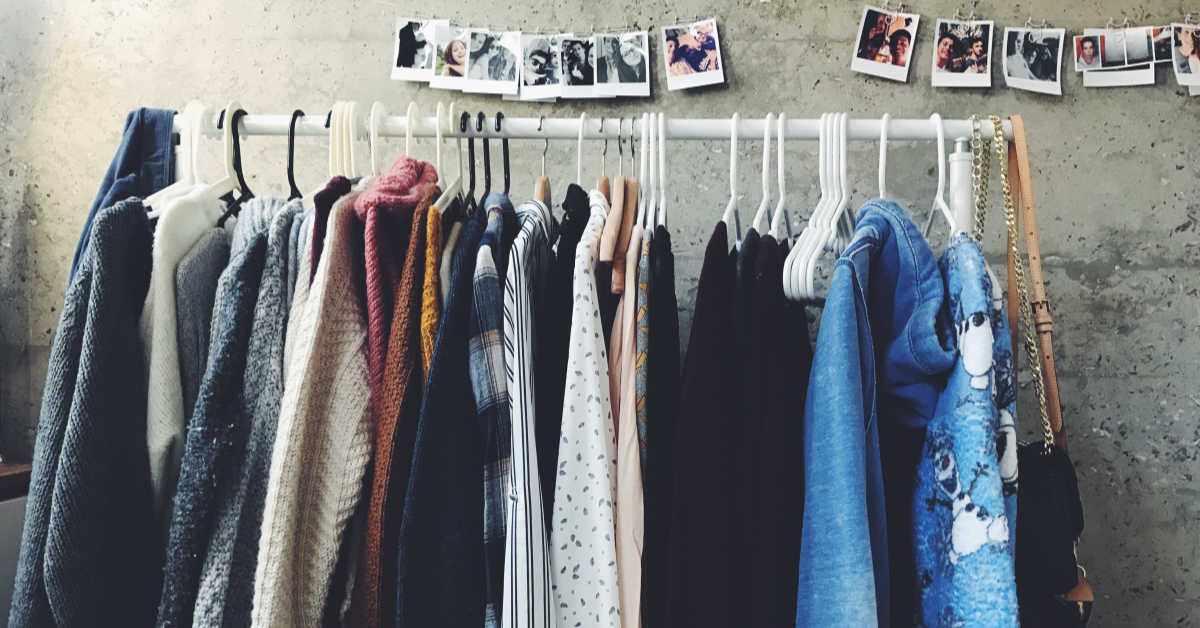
x,y
569,128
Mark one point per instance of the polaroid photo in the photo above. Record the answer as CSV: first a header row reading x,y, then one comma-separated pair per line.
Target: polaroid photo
x,y
577,58
492,65
885,42
962,53
1163,37
1125,76
1087,52
622,64
452,51
1185,52
413,50
1139,45
1112,53
541,66
692,55
1032,58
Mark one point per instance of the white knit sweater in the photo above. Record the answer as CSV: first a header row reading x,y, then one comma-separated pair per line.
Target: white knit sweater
x,y
324,439
183,220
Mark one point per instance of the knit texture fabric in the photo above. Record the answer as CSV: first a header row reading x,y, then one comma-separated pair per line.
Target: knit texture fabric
x,y
431,290
227,578
89,507
216,434
323,441
181,223
195,292
395,428
439,553
386,212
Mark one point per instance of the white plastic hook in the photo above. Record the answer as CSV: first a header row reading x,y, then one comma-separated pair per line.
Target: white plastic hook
x,y
780,220
410,120
579,150
373,133
759,223
662,169
644,187
939,200
883,139
730,217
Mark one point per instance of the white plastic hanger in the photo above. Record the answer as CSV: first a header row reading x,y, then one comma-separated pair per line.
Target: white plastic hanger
x,y
662,170
411,119
780,221
229,182
652,172
939,200
793,273
840,186
186,163
759,223
883,139
449,192
579,150
377,110
643,181
335,142
816,244
350,134
733,224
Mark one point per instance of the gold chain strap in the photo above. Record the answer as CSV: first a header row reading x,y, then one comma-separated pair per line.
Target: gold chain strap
x,y
1010,219
980,167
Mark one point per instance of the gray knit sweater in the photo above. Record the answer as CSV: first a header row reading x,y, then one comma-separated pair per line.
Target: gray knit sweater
x,y
88,551
195,290
216,432
227,580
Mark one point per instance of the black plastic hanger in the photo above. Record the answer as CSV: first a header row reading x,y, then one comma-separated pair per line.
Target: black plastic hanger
x,y
487,162
235,205
291,172
504,149
462,128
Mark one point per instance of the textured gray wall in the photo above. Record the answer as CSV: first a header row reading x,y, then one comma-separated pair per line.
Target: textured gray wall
x,y
1116,182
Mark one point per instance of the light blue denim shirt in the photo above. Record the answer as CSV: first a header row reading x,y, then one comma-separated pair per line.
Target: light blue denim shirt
x,y
966,479
878,358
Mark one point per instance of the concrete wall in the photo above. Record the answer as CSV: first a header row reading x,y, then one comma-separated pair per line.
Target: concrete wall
x,y
1116,182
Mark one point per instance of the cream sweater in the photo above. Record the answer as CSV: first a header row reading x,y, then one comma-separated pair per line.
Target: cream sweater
x,y
324,437
183,220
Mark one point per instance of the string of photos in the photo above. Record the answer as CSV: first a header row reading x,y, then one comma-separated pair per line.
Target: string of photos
x,y
547,66
1117,54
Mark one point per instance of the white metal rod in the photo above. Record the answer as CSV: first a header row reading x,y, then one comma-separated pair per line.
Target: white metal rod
x,y
568,128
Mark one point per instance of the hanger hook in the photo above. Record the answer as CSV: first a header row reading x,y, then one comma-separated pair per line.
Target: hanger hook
x,y
620,147
487,158
504,150
883,138
463,121
579,149
604,151
291,171
546,146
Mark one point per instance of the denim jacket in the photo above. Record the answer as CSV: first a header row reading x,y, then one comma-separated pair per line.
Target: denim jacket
x,y
141,167
878,358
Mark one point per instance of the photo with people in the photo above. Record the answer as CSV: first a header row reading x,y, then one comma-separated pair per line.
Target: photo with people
x,y
414,49
692,54
1087,52
962,53
1032,58
451,54
885,43
1186,50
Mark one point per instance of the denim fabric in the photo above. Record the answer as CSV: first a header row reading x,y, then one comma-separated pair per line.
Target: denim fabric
x,y
141,167
878,359
963,544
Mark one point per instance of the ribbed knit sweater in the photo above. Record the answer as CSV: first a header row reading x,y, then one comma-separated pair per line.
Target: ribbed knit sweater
x,y
386,212
323,441
216,434
395,428
431,289
227,578
89,509
195,292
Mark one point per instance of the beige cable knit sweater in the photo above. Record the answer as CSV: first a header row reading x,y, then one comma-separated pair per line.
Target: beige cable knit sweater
x,y
324,439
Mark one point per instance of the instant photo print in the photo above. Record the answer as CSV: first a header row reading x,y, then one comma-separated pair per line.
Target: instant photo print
x,y
622,64
884,46
692,55
541,66
1185,51
493,63
962,53
413,53
1125,76
578,61
1032,59
452,52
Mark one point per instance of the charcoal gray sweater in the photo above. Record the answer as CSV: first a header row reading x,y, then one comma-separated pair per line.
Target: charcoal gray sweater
x,y
195,291
227,579
216,432
88,551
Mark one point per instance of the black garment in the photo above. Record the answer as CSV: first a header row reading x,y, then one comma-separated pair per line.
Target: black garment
x,y
780,357
607,300
552,333
439,553
700,542
662,411
1051,519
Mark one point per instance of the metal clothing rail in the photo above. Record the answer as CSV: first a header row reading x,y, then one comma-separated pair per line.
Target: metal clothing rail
x,y
568,128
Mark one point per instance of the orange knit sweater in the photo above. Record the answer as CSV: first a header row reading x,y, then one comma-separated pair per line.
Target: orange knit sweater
x,y
431,291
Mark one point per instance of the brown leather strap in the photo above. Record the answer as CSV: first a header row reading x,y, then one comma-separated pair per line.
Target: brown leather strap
x,y
1041,305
